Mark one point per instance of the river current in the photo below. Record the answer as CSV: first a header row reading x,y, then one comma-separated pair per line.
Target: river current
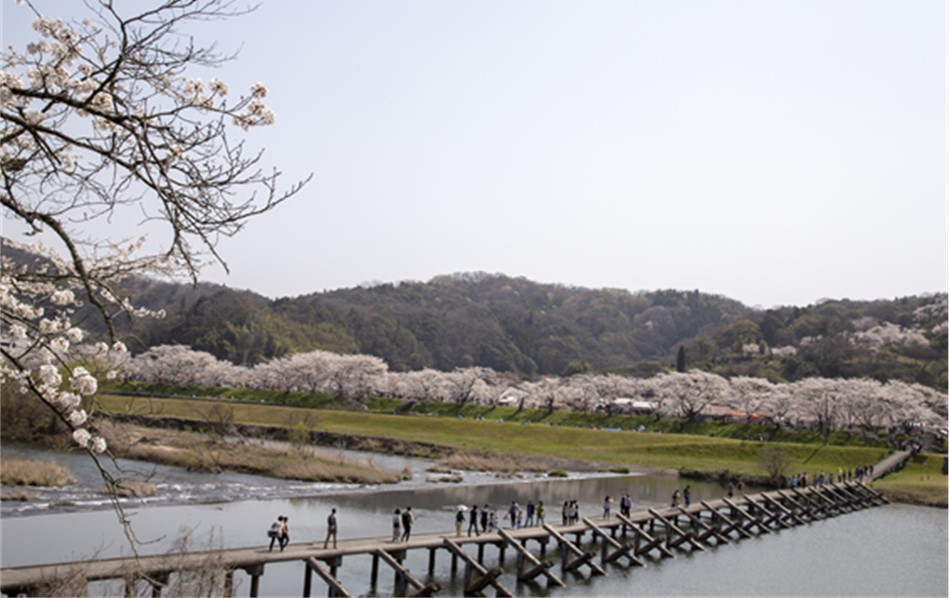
x,y
895,550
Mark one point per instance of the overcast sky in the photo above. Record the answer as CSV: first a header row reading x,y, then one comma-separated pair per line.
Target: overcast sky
x,y
776,152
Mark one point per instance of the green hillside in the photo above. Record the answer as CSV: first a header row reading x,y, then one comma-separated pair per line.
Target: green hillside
x,y
519,326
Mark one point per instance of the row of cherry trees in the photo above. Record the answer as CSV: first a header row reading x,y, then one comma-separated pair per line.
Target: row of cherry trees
x,y
826,403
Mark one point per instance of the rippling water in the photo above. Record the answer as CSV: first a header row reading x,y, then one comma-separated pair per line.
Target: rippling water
x,y
175,485
896,550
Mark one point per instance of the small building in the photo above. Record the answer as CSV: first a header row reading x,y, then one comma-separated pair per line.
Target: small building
x,y
636,406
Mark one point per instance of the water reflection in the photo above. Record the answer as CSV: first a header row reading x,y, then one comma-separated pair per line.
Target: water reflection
x,y
906,545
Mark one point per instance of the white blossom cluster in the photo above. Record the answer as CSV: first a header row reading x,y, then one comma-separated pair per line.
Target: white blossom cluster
x,y
888,333
103,118
784,351
59,65
935,311
750,349
42,345
813,401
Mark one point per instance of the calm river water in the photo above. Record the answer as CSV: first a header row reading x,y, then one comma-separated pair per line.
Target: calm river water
x,y
895,550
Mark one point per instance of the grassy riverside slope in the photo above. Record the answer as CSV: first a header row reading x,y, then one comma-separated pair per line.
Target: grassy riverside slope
x,y
686,454
923,481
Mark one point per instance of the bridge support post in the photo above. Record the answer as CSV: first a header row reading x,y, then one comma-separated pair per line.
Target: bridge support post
x,y
398,556
432,561
525,557
307,581
477,577
255,571
374,571
335,588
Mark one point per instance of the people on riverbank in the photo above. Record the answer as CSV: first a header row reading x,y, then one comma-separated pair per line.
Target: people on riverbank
x,y
331,528
540,512
687,498
484,518
675,499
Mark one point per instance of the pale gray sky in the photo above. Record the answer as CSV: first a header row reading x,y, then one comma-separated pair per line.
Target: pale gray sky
x,y
776,152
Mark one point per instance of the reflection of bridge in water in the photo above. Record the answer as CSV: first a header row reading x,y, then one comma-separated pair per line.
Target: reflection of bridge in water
x,y
589,546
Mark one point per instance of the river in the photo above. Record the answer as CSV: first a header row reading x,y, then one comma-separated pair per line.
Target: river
x,y
895,550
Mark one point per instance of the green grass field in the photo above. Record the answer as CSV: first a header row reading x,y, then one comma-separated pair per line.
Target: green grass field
x,y
922,481
685,453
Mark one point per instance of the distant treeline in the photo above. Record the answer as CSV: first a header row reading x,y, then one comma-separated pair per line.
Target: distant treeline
x,y
516,325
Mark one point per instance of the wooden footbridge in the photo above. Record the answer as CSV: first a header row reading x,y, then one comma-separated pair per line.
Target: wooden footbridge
x,y
588,547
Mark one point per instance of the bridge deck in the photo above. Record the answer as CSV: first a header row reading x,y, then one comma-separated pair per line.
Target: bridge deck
x,y
16,579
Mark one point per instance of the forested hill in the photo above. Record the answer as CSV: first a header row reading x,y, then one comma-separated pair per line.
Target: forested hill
x,y
516,325
527,328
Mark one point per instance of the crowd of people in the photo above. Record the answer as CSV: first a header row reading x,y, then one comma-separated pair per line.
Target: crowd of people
x,y
803,480
474,520
477,520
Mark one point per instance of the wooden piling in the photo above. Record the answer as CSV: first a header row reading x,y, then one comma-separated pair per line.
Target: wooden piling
x,y
608,543
573,557
538,567
477,577
336,588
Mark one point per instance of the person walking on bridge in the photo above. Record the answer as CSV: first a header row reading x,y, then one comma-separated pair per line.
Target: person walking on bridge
x,y
397,525
459,520
473,521
274,532
331,528
284,538
407,521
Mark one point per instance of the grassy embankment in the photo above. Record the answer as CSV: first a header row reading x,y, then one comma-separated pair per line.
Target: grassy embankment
x,y
201,451
922,482
687,454
19,471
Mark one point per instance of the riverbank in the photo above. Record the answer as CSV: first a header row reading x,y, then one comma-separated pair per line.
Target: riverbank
x,y
712,458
